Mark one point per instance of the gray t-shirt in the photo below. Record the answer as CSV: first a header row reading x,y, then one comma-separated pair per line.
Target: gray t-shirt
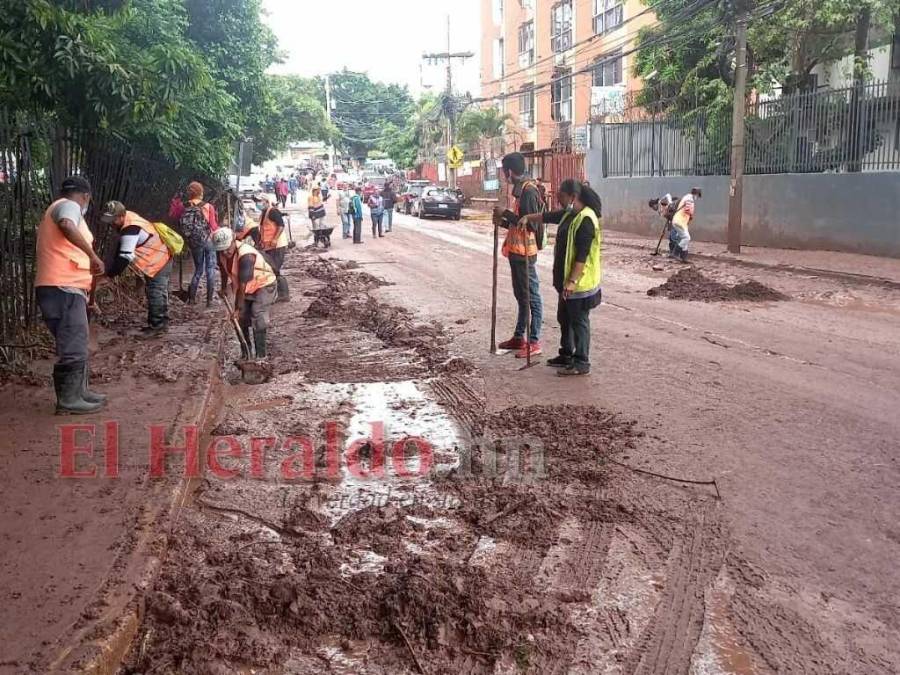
x,y
68,210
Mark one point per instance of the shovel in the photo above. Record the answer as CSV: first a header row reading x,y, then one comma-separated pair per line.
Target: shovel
x,y
292,243
659,243
252,372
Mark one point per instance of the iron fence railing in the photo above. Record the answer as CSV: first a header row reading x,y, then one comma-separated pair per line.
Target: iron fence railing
x,y
852,129
35,157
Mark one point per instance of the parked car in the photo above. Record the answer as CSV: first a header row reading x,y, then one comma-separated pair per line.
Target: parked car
x,y
409,193
438,201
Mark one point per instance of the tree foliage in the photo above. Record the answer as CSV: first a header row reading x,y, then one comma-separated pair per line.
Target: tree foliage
x,y
184,78
688,58
480,124
366,112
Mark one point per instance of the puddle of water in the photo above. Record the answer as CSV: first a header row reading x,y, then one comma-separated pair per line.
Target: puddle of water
x,y
404,410
718,650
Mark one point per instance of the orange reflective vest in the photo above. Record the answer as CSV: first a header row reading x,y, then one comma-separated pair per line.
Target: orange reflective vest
x,y
267,232
60,262
263,274
151,256
520,240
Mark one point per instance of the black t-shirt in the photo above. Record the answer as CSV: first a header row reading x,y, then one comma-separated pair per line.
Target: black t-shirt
x,y
583,240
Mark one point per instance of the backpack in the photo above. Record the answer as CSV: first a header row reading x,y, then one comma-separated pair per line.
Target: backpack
x,y
540,230
173,241
194,226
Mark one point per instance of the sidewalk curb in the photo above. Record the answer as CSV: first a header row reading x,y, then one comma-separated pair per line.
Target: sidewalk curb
x,y
100,647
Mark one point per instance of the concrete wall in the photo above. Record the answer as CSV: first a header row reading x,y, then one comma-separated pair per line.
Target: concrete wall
x,y
857,213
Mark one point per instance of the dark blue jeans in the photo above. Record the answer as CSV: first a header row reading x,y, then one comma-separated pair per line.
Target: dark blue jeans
x,y
388,218
204,263
533,287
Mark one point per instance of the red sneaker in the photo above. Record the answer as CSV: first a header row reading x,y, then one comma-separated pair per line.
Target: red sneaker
x,y
534,348
514,343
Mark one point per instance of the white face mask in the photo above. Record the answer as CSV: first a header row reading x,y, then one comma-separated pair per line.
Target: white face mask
x,y
84,210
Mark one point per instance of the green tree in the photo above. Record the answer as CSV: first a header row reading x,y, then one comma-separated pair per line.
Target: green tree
x,y
364,111
478,124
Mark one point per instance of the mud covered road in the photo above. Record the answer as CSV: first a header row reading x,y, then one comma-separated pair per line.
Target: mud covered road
x,y
411,503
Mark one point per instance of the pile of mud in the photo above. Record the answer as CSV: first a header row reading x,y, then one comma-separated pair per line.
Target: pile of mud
x,y
689,284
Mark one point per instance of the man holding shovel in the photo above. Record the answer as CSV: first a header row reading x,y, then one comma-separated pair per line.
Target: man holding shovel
x,y
521,248
254,283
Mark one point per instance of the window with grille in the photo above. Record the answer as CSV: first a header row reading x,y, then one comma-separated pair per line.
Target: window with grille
x,y
608,15
526,4
609,71
561,26
561,96
526,108
526,44
499,67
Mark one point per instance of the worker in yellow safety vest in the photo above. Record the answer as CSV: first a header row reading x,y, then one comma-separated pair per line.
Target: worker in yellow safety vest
x,y
141,247
254,281
521,247
577,272
66,268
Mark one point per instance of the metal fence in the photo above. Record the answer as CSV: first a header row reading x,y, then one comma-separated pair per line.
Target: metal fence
x,y
35,157
830,130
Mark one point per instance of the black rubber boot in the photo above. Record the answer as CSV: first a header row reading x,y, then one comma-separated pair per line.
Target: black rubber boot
x,y
68,380
86,393
259,339
210,292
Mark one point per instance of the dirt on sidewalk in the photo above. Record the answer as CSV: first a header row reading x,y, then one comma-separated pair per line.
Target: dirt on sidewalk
x,y
366,513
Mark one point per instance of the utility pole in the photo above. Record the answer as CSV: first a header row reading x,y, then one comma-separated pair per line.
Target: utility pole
x,y
328,109
736,196
449,57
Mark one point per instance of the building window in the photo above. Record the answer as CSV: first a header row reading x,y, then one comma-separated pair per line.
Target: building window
x,y
609,71
497,12
561,96
499,66
526,108
561,26
526,44
608,15
526,4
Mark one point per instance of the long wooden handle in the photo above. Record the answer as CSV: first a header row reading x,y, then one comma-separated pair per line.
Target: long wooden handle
x,y
236,325
494,290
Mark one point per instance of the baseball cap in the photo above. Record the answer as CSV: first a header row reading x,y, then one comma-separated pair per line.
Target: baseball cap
x,y
222,239
111,211
76,184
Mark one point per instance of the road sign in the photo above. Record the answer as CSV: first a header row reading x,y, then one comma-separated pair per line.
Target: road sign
x,y
455,155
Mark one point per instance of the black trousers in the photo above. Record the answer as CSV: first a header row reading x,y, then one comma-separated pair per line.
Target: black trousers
x,y
574,318
66,317
157,290
276,257
357,229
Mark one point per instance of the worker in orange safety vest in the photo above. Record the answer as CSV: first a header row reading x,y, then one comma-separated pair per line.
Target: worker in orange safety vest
x,y
66,268
141,248
521,247
254,281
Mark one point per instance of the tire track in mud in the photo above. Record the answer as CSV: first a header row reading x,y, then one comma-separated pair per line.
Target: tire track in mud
x,y
669,642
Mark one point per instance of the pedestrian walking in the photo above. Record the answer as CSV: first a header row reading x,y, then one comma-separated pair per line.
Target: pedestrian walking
x,y
343,208
66,268
577,272
281,192
293,186
254,281
142,248
376,208
356,210
389,197
521,247
197,221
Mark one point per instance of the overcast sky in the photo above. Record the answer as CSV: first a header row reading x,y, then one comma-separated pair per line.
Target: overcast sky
x,y
385,39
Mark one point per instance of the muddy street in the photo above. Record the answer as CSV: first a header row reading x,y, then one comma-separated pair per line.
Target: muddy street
x,y
398,500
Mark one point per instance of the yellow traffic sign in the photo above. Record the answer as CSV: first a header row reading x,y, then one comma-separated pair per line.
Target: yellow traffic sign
x,y
455,155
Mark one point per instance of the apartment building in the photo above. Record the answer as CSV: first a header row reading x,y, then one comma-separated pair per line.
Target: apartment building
x,y
553,64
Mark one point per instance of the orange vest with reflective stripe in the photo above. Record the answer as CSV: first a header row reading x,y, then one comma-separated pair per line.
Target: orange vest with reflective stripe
x,y
263,274
520,240
267,230
151,256
60,262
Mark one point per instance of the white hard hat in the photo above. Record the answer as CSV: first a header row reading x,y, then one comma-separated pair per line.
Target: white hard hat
x,y
222,239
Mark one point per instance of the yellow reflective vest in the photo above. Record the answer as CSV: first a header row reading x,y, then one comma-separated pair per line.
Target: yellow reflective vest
x,y
593,266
